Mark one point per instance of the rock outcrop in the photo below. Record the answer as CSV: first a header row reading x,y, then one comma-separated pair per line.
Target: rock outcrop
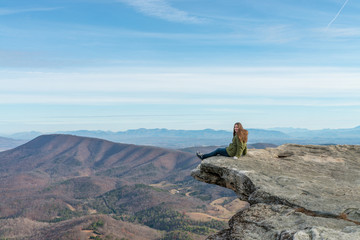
x,y
295,192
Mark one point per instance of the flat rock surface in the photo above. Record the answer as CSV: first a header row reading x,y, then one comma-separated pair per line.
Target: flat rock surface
x,y
314,182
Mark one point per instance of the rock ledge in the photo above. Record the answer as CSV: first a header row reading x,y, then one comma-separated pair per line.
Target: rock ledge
x,y
295,192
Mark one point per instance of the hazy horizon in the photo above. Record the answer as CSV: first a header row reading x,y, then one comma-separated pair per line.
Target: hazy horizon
x,y
169,129
114,65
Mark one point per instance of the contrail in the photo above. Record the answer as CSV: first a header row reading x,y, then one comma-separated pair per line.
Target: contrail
x,y
337,14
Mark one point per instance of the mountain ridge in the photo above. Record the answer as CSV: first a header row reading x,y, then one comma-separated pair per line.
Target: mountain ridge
x,y
93,153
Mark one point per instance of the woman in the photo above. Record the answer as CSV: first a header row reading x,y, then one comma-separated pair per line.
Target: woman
x,y
235,149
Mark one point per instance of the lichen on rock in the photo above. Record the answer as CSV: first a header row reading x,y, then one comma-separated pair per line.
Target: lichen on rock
x,y
295,192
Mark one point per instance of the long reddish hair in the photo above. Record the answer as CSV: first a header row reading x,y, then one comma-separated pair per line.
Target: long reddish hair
x,y
242,133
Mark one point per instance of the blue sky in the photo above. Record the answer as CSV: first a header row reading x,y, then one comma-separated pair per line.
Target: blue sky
x,y
178,64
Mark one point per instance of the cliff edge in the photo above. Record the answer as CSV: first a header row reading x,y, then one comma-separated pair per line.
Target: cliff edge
x,y
295,192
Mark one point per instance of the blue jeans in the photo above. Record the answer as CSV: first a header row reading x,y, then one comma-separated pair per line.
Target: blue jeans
x,y
219,151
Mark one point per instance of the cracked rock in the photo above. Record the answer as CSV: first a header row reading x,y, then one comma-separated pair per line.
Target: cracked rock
x,y
295,192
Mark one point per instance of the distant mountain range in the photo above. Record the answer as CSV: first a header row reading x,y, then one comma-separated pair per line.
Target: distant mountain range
x,y
337,136
8,143
177,139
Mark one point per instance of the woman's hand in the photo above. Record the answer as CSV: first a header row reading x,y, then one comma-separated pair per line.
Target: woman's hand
x,y
235,157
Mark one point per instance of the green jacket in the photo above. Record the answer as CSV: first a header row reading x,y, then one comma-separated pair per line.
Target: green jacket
x,y
236,148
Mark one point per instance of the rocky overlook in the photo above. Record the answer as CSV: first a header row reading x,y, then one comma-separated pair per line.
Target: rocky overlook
x,y
299,192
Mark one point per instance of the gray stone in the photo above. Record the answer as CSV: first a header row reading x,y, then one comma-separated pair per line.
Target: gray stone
x,y
294,191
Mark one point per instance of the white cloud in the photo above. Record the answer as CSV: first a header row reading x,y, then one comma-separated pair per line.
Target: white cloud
x,y
8,11
269,81
342,32
163,10
216,86
218,101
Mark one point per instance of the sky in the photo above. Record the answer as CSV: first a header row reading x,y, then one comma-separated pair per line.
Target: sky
x,y
114,65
